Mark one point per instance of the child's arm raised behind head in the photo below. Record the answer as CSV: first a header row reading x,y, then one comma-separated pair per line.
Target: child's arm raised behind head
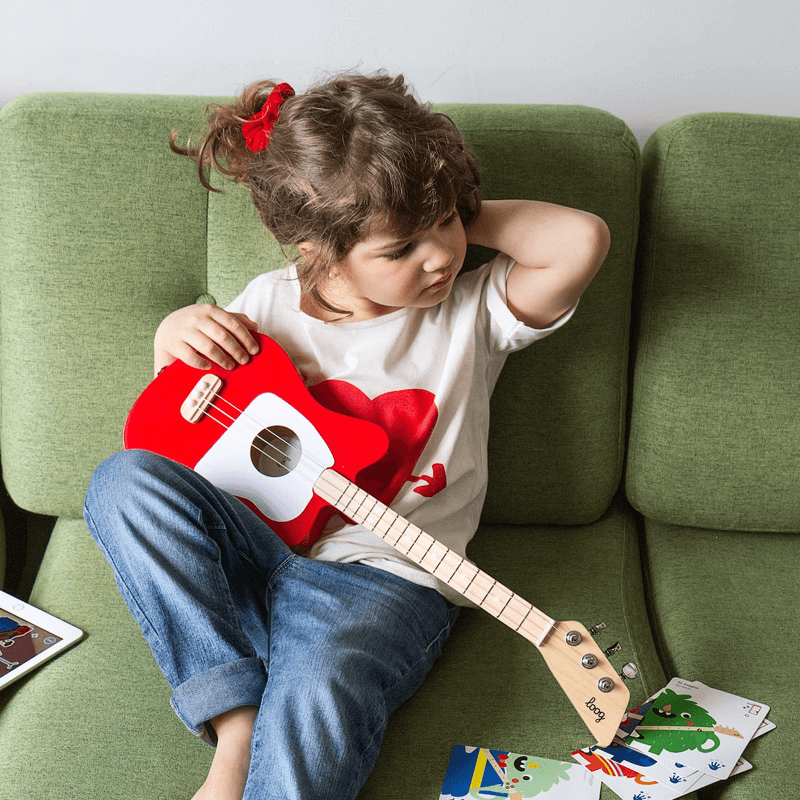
x,y
201,334
558,250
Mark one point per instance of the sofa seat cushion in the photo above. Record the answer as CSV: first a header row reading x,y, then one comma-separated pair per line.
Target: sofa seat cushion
x,y
725,607
99,715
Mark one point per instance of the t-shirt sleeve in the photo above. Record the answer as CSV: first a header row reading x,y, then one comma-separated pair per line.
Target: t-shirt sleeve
x,y
506,332
247,301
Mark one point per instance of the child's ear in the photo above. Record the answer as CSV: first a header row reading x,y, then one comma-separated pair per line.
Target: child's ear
x,y
307,249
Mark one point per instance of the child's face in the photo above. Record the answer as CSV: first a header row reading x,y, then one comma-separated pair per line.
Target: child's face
x,y
382,274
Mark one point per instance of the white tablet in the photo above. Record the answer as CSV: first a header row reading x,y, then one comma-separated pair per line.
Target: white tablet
x,y
29,637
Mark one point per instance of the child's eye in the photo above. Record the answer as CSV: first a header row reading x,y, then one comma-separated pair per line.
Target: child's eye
x,y
398,254
450,220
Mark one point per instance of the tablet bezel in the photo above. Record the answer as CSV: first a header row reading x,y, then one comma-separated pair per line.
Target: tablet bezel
x,y
69,635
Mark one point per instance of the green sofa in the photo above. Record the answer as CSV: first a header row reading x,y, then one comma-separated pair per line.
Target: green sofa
x,y
645,460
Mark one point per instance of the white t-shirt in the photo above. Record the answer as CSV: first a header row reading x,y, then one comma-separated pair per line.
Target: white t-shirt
x,y
425,375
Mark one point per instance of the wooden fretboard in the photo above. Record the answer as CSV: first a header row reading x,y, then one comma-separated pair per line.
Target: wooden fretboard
x,y
421,548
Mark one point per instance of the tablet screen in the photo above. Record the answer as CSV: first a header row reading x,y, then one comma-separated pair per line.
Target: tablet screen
x,y
20,641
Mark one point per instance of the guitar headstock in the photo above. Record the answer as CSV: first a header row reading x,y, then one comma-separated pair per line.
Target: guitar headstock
x,y
587,677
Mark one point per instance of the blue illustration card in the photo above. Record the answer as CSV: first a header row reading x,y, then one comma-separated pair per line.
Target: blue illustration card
x,y
479,773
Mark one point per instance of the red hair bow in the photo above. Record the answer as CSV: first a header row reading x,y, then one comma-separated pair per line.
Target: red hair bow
x,y
258,128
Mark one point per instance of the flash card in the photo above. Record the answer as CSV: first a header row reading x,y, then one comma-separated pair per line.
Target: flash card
x,y
635,786
632,718
478,773
702,728
620,760
766,726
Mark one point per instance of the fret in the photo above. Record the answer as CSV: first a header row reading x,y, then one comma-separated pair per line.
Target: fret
x,y
355,508
343,494
421,547
497,599
396,530
386,522
374,517
353,502
475,594
479,587
365,505
448,566
535,630
462,577
515,612
434,557
408,539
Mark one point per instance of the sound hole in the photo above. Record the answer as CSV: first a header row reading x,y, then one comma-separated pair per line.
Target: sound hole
x,y
276,451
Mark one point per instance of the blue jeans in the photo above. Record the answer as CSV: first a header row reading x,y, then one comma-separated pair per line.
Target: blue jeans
x,y
326,651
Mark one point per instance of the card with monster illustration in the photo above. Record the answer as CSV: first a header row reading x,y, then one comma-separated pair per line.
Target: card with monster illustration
x,y
702,728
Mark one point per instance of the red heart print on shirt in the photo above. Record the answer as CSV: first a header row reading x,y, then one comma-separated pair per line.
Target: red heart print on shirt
x,y
408,416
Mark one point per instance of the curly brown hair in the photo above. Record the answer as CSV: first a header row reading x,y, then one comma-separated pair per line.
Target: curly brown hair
x,y
354,153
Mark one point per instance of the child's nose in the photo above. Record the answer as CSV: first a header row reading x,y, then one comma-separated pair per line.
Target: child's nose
x,y
440,256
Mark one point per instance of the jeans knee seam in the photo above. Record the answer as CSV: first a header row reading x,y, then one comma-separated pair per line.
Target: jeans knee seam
x,y
276,573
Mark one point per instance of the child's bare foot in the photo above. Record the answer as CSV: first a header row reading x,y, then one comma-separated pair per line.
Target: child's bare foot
x,y
228,774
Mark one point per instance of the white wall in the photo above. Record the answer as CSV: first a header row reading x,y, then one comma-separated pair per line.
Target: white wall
x,y
646,62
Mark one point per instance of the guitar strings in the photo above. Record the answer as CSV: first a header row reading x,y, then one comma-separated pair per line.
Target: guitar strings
x,y
242,413
334,491
258,438
305,460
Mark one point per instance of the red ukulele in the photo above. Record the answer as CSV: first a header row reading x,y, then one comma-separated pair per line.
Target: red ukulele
x,y
257,433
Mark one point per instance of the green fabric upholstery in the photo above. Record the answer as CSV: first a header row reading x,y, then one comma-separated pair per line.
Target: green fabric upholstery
x,y
724,608
106,233
101,714
103,233
2,553
715,439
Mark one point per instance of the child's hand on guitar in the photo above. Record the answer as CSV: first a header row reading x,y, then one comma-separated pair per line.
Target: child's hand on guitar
x,y
202,334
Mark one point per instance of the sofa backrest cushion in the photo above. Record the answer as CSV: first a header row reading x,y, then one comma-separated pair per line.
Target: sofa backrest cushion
x,y
715,423
105,231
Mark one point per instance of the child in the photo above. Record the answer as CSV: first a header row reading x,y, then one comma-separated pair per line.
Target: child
x,y
291,664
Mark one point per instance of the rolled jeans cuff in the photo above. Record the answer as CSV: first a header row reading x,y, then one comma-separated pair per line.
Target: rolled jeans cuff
x,y
219,689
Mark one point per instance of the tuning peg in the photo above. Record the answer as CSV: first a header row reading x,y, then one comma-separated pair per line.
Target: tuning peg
x,y
615,648
629,672
597,628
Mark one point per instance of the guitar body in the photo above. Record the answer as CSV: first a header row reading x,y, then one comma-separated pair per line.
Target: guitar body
x,y
263,437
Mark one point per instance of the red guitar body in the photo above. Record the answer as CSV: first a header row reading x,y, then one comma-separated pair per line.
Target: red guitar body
x,y
263,437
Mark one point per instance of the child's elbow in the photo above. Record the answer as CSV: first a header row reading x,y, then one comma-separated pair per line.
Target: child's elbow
x,y
593,241
599,237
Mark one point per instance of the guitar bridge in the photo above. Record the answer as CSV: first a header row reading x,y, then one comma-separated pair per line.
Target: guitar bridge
x,y
201,397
